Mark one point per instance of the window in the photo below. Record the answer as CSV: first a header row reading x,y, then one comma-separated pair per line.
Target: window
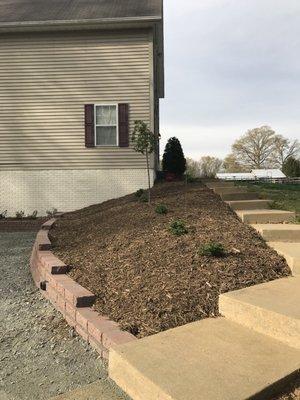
x,y
106,124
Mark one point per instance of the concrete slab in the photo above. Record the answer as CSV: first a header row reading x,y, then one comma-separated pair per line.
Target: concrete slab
x,y
249,204
100,390
279,233
229,190
291,252
271,308
239,196
213,359
266,216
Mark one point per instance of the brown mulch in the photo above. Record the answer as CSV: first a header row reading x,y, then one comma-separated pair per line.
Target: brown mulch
x,y
24,225
149,280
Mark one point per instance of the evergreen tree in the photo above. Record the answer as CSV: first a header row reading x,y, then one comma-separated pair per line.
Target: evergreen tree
x,y
173,158
291,167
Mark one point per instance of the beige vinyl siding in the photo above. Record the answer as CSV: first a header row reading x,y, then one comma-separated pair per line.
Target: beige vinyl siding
x,y
45,81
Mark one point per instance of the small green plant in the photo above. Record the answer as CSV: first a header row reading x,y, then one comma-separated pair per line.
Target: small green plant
x,y
139,193
190,178
212,249
178,228
33,215
3,214
51,213
161,209
20,214
143,198
275,205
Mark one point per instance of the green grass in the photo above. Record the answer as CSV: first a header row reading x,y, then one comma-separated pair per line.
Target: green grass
x,y
282,196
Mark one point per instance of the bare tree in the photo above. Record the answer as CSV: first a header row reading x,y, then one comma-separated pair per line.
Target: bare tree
x,y
209,166
256,148
231,164
192,168
284,149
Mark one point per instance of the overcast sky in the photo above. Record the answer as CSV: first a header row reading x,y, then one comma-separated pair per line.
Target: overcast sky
x,y
230,65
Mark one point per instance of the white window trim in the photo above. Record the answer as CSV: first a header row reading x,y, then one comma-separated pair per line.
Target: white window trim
x,y
117,124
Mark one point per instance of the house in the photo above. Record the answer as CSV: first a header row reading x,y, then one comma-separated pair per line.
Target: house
x,y
236,176
74,76
254,175
271,174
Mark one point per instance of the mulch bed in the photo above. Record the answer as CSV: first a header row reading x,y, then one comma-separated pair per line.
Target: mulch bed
x,y
149,280
24,225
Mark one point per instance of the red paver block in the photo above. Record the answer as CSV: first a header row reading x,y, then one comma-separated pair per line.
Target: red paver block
x,y
100,324
43,241
96,345
78,296
82,332
52,263
71,310
61,304
116,337
70,321
85,315
52,293
48,224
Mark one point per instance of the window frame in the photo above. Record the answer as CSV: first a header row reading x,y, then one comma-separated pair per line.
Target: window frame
x,y
117,124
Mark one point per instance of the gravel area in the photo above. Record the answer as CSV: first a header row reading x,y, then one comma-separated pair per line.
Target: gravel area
x,y
40,356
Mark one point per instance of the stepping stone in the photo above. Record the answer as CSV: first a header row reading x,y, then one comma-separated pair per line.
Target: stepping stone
x,y
100,390
279,233
214,184
213,359
266,216
291,252
271,308
229,190
239,196
249,204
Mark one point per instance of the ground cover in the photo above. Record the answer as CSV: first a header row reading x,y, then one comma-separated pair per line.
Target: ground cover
x,y
147,278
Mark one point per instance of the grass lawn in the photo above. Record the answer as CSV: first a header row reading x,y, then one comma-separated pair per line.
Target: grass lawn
x,y
148,279
283,196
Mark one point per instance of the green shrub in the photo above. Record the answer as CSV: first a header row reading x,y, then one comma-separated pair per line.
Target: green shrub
x,y
212,249
190,178
20,214
161,209
173,158
3,214
143,198
139,193
178,228
33,215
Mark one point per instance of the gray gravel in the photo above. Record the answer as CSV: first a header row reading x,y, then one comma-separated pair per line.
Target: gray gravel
x,y
40,356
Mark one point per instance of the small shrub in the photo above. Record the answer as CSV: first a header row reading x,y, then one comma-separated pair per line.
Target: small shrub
x,y
20,214
3,214
275,205
139,193
178,228
212,249
51,213
190,178
143,198
33,215
161,209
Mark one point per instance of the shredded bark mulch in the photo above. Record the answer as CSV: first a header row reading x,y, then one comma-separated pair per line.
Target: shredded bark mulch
x,y
149,280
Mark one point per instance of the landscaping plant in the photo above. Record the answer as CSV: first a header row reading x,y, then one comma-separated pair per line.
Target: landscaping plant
x,y
139,193
3,214
145,143
33,215
51,213
20,214
212,249
174,161
161,209
178,228
144,198
291,167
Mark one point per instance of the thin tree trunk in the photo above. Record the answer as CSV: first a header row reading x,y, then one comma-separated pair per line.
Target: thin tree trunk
x,y
149,180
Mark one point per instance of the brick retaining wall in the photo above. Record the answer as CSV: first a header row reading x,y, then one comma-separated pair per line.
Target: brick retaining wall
x,y
73,301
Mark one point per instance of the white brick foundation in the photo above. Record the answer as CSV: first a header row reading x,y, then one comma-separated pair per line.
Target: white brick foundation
x,y
66,190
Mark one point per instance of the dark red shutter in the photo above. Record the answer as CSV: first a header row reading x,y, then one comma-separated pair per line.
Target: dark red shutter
x,y
123,125
89,125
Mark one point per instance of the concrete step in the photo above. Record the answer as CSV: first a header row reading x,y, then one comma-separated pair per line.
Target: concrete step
x,y
239,196
271,308
100,390
213,359
279,233
266,216
249,204
229,190
214,184
291,252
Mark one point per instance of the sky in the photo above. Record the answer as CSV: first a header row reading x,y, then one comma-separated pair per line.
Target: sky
x,y
230,65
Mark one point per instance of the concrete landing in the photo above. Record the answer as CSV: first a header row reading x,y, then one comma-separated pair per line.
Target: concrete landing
x,y
229,190
239,196
213,359
266,216
249,204
279,233
271,308
100,390
291,252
